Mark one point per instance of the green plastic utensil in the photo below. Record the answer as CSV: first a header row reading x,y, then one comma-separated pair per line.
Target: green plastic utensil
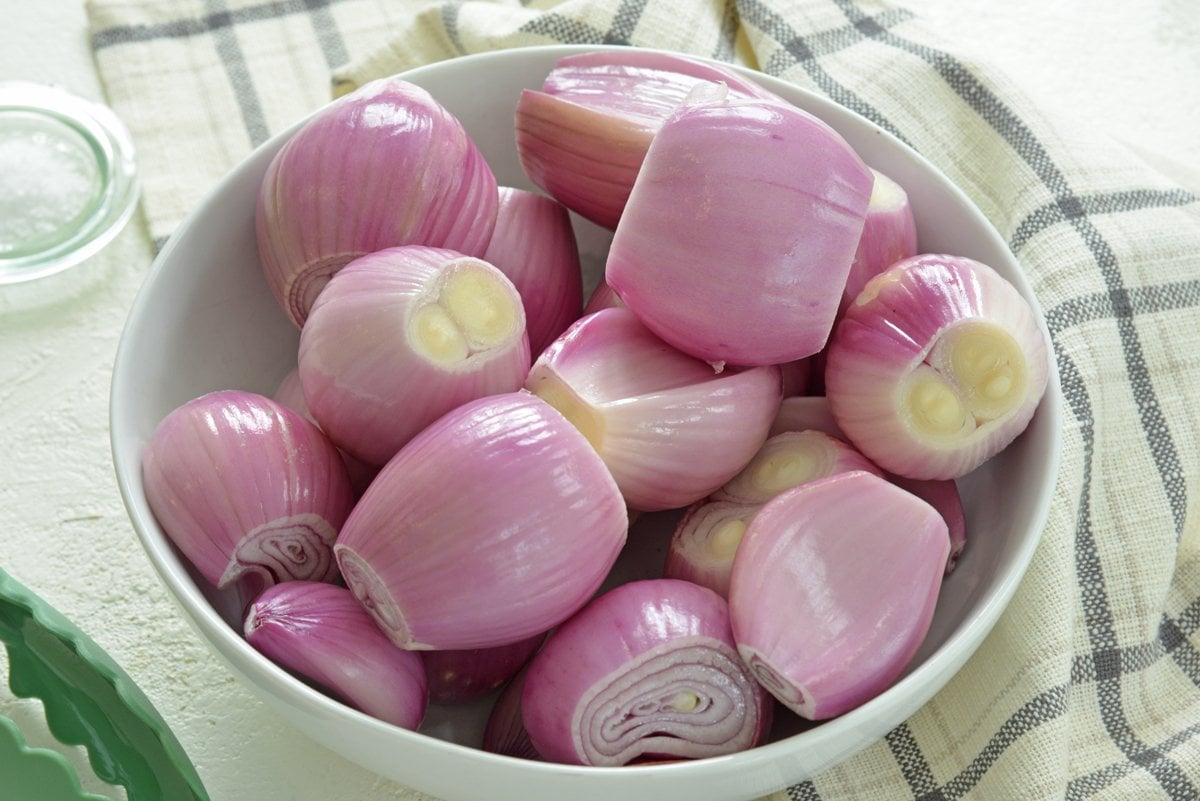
x,y
37,773
89,701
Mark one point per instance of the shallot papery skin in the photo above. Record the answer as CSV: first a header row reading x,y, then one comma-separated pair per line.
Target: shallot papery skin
x,y
400,337
834,588
249,490
648,670
534,245
459,676
495,523
668,426
937,365
889,235
385,165
321,632
705,542
739,232
582,138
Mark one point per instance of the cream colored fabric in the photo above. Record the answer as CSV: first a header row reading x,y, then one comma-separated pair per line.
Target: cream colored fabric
x,y
1089,686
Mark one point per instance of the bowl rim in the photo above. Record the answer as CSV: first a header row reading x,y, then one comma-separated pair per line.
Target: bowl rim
x,y
920,684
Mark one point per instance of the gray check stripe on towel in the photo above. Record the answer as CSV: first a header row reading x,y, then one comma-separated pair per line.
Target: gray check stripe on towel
x,y
1089,686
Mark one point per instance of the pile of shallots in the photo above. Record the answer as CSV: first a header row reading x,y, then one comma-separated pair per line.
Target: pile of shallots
x,y
426,509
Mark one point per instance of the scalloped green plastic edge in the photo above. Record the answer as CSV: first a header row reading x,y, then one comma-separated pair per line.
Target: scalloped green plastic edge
x,y
37,772
90,701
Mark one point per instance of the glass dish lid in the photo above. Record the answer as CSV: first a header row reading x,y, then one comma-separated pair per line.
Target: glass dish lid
x,y
68,179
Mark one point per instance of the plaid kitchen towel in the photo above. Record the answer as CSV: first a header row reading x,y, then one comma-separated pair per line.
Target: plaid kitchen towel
x,y
1089,685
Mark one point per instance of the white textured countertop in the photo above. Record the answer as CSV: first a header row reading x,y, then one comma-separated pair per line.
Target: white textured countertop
x,y
1133,69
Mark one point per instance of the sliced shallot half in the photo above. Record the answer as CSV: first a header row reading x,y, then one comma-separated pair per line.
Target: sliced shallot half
x,y
668,426
495,523
534,245
249,490
385,165
582,137
739,232
400,337
648,670
833,590
322,633
936,366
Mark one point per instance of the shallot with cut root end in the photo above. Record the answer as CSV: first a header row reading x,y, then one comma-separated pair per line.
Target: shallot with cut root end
x,y
788,459
812,412
857,564
936,366
582,137
534,246
704,544
668,426
495,523
249,490
400,337
705,541
720,260
322,633
648,670
383,166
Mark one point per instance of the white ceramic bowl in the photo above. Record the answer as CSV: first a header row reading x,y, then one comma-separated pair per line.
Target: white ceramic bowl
x,y
205,320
